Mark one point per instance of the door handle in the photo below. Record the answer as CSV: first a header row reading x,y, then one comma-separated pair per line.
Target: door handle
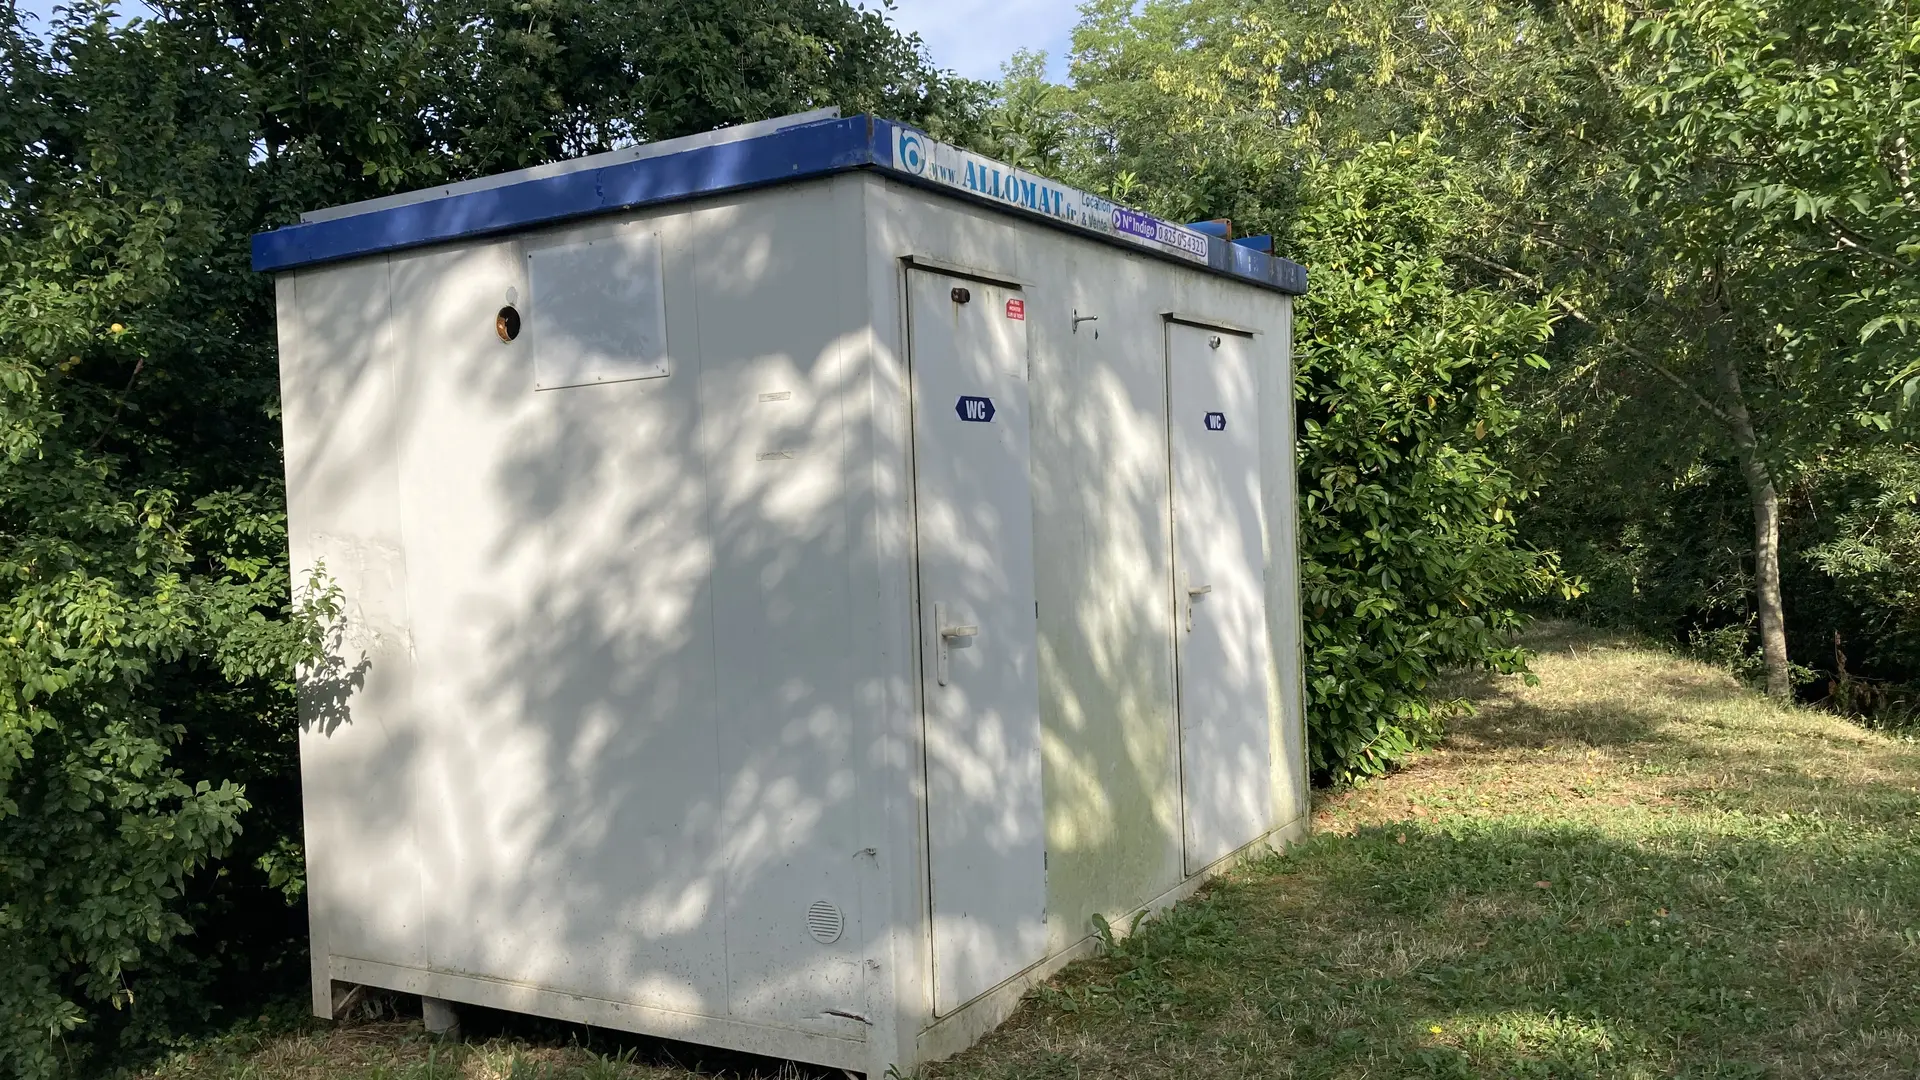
x,y
943,647
1194,592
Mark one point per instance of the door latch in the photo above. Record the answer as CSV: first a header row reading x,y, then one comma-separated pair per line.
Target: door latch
x,y
1194,592
943,648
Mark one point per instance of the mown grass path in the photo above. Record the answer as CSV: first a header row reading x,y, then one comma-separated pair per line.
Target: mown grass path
x,y
1633,869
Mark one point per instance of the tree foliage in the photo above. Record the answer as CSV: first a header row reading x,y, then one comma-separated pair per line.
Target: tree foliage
x,y
1713,195
1797,118
1739,256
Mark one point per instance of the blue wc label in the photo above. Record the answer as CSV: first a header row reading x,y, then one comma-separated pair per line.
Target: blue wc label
x,y
974,410
1216,421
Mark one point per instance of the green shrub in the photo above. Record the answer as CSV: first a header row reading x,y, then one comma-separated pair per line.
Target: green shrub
x,y
1410,562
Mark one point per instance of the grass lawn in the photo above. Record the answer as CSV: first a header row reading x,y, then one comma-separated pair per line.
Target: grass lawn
x,y
1632,869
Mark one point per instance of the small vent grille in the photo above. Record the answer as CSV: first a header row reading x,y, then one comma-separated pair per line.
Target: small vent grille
x,y
824,922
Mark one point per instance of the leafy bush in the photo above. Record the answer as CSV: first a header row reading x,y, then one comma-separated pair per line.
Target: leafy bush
x,y
1870,552
1410,562
141,540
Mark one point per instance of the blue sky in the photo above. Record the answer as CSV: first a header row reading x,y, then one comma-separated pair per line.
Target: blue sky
x,y
973,37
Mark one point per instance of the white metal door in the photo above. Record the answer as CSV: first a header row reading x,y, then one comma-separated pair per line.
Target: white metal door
x,y
1218,559
979,669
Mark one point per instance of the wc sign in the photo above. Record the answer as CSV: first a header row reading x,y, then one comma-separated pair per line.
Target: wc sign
x,y
975,410
1216,421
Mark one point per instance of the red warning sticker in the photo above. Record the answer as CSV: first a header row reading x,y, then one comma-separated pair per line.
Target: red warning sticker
x,y
1017,309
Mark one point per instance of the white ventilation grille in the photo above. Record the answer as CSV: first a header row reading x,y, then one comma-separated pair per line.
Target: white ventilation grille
x,y
824,922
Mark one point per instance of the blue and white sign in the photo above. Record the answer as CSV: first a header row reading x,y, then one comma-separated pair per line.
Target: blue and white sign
x,y
1216,421
974,410
918,155
1139,226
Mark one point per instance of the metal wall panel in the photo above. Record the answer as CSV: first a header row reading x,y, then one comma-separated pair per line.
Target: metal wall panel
x,y
1273,360
781,390
1107,625
569,799
598,312
358,738
627,767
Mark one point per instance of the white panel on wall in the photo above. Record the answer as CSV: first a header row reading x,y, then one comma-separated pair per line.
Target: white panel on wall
x,y
597,311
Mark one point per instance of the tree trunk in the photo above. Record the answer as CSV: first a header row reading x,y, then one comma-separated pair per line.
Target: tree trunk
x,y
1765,501
1766,576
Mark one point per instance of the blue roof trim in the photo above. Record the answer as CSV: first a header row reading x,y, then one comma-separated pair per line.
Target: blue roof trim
x,y
883,130
1217,257
807,150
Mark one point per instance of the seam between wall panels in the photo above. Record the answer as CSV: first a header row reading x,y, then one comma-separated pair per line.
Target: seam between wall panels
x,y
903,284
1303,798
842,363
845,201
876,925
1175,612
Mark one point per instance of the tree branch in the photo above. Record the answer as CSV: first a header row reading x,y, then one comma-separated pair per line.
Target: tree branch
x,y
1851,239
1573,312
117,406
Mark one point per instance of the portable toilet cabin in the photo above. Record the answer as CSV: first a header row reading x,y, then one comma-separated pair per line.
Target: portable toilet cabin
x,y
793,578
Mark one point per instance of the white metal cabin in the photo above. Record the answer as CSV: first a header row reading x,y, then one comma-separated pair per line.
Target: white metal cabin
x,y
795,578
